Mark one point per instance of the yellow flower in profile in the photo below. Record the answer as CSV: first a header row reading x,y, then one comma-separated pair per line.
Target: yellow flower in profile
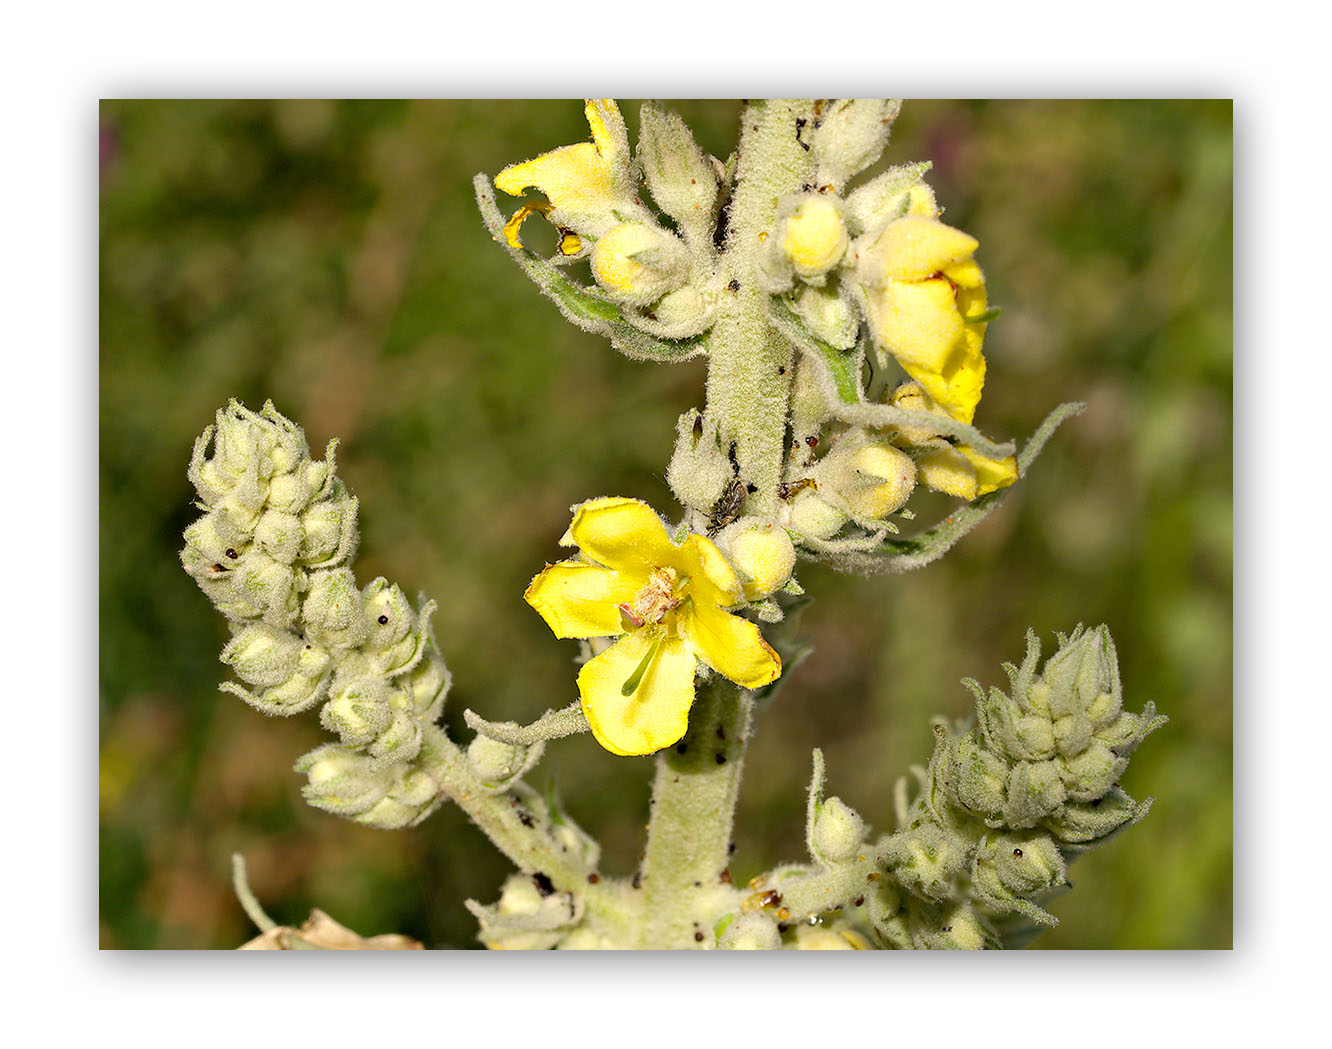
x,y
957,470
926,301
666,602
583,182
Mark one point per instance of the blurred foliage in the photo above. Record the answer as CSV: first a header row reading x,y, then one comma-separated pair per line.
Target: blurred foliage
x,y
328,255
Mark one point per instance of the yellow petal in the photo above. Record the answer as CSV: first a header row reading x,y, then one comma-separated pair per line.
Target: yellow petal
x,y
609,134
572,177
957,388
657,713
917,322
623,533
991,474
577,599
713,580
731,646
915,248
947,470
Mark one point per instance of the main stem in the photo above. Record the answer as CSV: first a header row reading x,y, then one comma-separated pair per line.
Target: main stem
x,y
750,372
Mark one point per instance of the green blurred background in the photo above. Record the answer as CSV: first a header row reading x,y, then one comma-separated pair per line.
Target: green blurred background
x,y
328,255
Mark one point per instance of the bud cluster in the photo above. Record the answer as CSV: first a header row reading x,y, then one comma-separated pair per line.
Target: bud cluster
x,y
1008,803
272,552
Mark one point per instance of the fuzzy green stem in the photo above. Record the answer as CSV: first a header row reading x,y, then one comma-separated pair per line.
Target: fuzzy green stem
x,y
693,809
750,364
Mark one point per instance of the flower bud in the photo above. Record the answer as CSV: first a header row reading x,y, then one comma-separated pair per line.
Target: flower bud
x,y
839,831
411,799
926,860
399,741
828,315
979,777
494,762
638,263
342,781
750,932
1034,792
956,928
1026,864
262,655
358,710
1092,773
256,587
279,535
760,552
809,513
425,687
813,236
871,478
699,472
332,610
330,533
850,136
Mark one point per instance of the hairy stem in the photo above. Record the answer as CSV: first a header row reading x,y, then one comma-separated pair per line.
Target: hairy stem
x,y
749,363
693,809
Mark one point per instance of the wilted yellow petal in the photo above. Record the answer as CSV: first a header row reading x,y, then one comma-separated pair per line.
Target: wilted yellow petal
x,y
520,216
731,646
656,714
577,599
915,248
623,534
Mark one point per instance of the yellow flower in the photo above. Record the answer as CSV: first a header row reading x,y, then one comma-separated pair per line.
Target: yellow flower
x,y
926,301
667,603
583,182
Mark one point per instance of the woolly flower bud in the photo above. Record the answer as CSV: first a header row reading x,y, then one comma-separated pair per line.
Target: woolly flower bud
x,y
750,932
699,471
329,531
411,799
425,687
1035,790
851,135
262,655
871,478
926,859
358,711
332,609
494,762
760,552
813,236
1027,863
280,535
809,513
838,831
399,741
638,263
342,781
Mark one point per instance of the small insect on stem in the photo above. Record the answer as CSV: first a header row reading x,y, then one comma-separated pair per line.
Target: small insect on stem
x,y
788,491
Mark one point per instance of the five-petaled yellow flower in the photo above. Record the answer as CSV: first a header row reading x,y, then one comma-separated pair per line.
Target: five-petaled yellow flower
x,y
667,602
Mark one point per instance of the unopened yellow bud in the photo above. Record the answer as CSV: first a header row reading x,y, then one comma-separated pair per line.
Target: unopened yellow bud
x,y
815,237
885,479
638,263
811,514
761,553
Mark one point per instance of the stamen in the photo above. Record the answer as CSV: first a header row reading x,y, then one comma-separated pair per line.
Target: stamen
x,y
630,616
635,679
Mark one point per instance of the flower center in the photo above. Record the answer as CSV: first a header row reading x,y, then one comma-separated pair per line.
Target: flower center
x,y
657,597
